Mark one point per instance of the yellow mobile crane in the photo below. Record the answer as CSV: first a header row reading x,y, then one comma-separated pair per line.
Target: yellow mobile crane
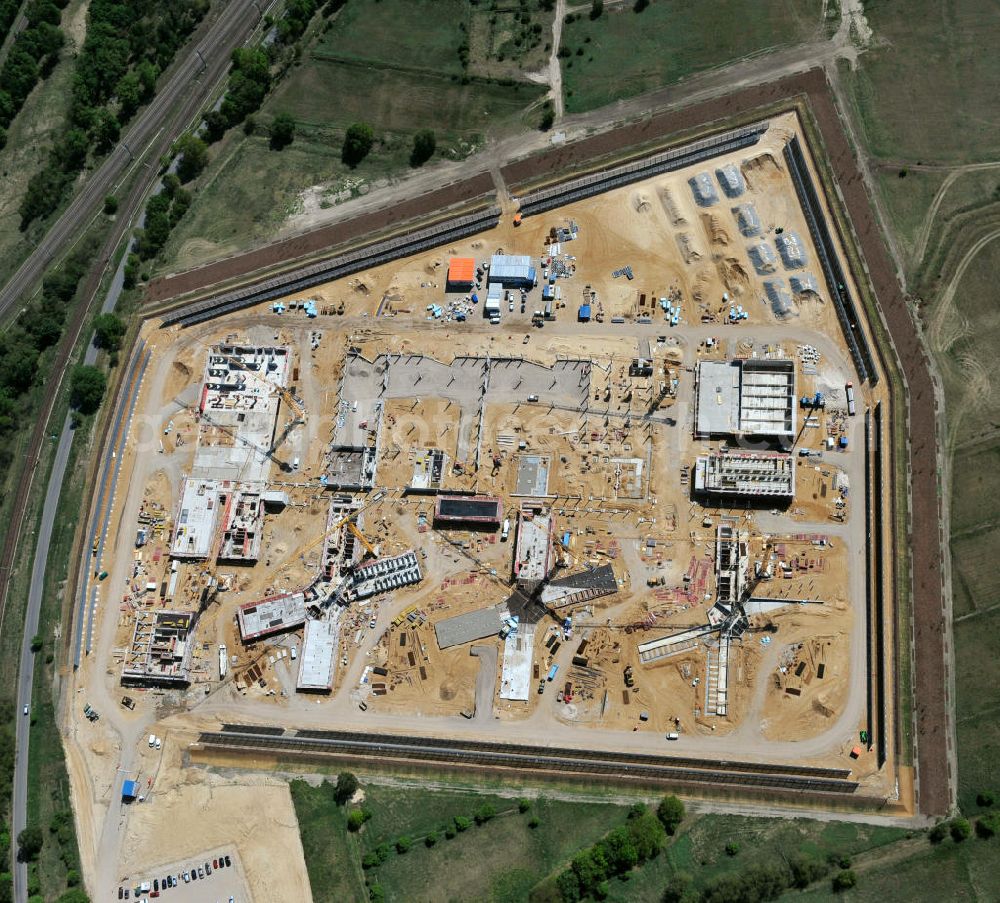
x,y
349,521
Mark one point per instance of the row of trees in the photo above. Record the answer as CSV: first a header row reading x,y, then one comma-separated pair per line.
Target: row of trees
x,y
128,44
32,56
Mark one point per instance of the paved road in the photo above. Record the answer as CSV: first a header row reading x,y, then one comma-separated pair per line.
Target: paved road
x,y
172,108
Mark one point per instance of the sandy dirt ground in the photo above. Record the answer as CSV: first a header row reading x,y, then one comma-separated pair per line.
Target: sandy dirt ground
x,y
619,488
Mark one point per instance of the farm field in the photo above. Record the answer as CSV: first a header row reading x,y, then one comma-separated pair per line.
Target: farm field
x,y
624,53
930,57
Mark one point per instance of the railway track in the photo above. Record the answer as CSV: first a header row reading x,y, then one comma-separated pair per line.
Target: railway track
x,y
527,758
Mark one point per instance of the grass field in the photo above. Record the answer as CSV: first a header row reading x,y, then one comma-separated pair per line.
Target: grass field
x,y
392,64
624,53
498,861
907,201
699,849
423,34
935,58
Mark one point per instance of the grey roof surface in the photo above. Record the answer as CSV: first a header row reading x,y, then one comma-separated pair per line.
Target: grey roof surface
x,y
602,577
473,625
718,397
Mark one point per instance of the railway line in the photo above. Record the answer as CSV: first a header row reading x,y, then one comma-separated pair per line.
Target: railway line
x,y
527,758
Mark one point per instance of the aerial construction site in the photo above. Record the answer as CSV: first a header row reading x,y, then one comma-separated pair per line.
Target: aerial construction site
x,y
603,475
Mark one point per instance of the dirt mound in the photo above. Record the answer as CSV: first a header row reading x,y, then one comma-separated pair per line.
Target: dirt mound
x,y
671,209
448,691
734,275
761,169
183,369
640,202
702,284
689,250
713,228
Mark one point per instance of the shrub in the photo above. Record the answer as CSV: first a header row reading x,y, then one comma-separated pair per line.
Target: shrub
x,y
984,799
844,880
484,813
988,825
596,9
110,205
87,385
523,806
356,818
534,821
109,330
403,844
960,829
732,848
431,839
29,844
462,823
640,5
938,833
36,643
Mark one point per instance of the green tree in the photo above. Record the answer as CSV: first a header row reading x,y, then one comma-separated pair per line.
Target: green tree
x,y
984,799
938,833
596,9
671,813
358,143
732,848
679,888
106,131
960,829
193,157
36,643
430,839
29,844
484,813
462,823
523,805
987,825
347,785
110,205
844,880
403,844
356,818
424,145
282,131
215,125
87,385
548,116
640,5
109,329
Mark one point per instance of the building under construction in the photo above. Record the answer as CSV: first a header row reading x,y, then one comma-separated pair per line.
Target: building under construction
x,y
745,475
242,525
534,554
468,510
272,615
160,652
750,399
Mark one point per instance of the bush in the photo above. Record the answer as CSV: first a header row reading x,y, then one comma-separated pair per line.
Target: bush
x,y
960,829
844,880
358,143
988,825
110,205
450,832
534,821
596,9
347,785
424,145
87,385
671,813
376,894
36,643
403,844
938,833
282,131
806,870
984,799
640,5
356,818
431,839
732,848
484,813
523,805
678,888
462,823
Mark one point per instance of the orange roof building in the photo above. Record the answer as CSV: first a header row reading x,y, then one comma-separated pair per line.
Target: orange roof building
x,y
461,271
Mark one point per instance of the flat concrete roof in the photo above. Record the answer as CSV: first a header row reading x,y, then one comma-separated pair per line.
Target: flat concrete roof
x,y
319,650
718,397
532,475
750,398
533,556
197,518
515,675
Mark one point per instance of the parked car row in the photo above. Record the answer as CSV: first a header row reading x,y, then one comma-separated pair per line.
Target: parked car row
x,y
157,885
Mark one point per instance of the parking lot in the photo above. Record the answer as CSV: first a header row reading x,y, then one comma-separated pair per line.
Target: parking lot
x,y
221,883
